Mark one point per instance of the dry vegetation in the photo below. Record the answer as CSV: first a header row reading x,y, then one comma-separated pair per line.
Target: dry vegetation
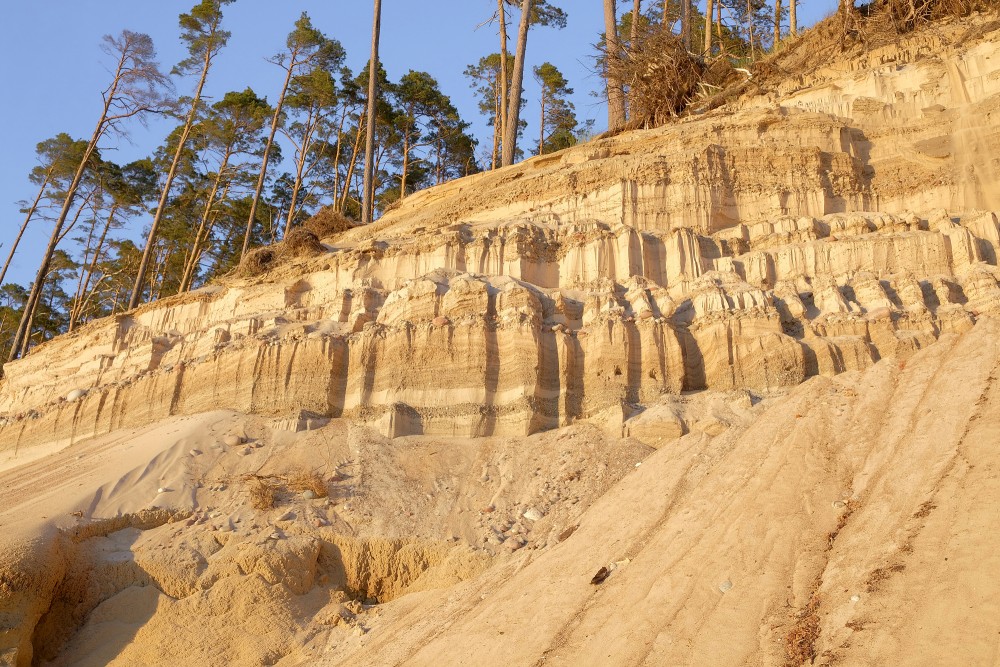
x,y
800,642
662,78
301,241
328,222
665,81
907,15
262,491
307,480
265,491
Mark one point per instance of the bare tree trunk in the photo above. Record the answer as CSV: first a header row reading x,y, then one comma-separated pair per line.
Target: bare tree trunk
x,y
777,23
750,27
439,168
78,295
192,261
516,85
24,225
349,177
718,25
497,105
368,196
406,164
612,51
23,328
636,13
159,275
686,23
300,164
26,343
793,23
267,156
708,28
504,85
541,124
155,226
78,303
336,156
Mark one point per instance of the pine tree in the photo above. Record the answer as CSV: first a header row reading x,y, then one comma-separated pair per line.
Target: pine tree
x,y
312,98
368,193
306,47
231,128
124,192
202,31
486,81
136,89
421,102
558,116
58,159
612,52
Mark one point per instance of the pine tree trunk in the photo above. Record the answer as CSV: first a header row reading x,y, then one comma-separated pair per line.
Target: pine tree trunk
x,y
516,85
368,196
708,29
504,76
155,226
336,156
496,125
718,25
406,163
192,261
24,326
267,155
78,295
777,23
24,225
79,301
612,51
686,23
352,167
636,13
541,124
300,164
793,23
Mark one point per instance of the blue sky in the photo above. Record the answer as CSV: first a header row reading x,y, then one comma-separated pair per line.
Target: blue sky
x,y
52,68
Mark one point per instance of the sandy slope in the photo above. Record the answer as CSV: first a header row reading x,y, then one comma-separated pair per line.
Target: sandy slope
x,y
55,491
854,517
96,576
850,519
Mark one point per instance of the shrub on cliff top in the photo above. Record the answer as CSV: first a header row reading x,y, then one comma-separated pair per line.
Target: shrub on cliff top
x,y
299,243
328,222
906,15
257,262
662,78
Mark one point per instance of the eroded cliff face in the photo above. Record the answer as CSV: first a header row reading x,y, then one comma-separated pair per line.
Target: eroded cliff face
x,y
847,218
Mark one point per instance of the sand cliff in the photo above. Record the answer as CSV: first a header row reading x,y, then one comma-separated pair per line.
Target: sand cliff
x,y
747,359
